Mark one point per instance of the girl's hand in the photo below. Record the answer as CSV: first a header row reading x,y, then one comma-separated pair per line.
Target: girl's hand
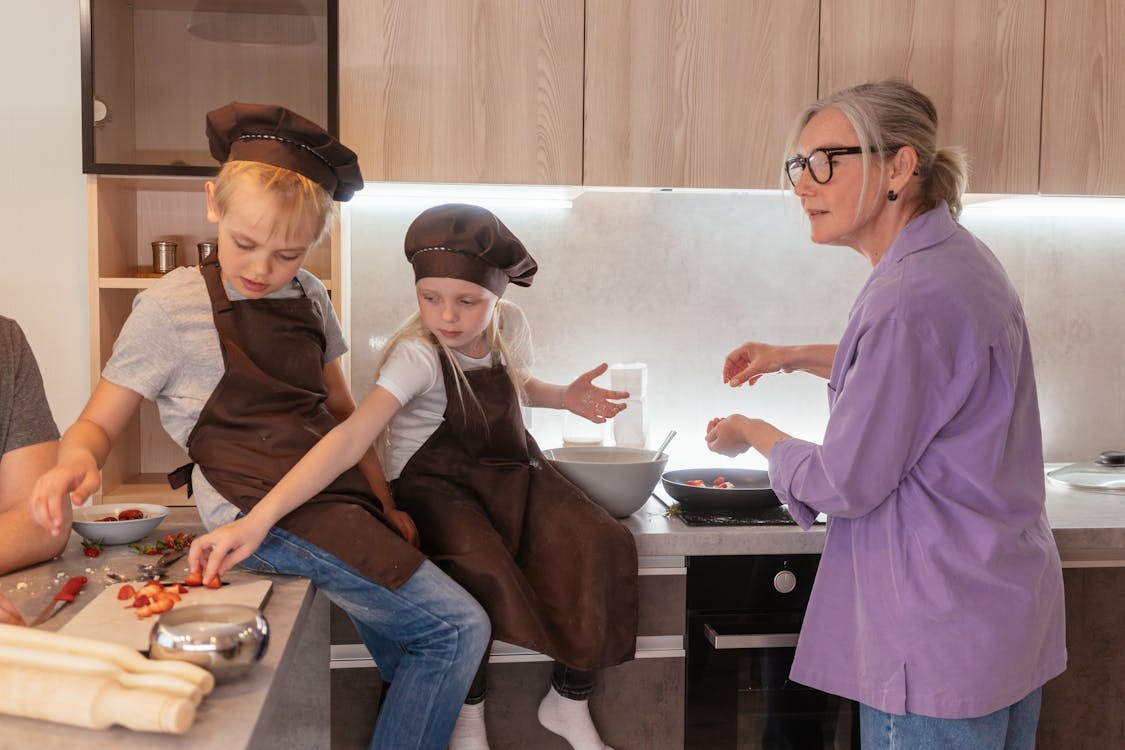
x,y
587,400
220,550
751,361
727,436
9,615
404,523
75,480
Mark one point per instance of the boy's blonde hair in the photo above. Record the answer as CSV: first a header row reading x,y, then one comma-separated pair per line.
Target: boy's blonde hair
x,y
298,195
414,328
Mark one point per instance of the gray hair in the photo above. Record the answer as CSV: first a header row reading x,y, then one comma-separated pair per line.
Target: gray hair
x,y
888,115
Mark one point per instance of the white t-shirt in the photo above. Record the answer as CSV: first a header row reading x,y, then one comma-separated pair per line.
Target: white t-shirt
x,y
168,351
412,374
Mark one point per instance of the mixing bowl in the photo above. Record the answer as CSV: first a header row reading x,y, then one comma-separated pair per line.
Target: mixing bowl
x,y
618,479
88,526
225,639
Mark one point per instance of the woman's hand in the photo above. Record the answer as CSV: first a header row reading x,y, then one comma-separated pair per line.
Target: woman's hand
x,y
9,615
731,436
751,361
404,523
220,550
75,479
587,400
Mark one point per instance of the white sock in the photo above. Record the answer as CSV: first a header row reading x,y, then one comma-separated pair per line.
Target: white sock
x,y
570,719
469,731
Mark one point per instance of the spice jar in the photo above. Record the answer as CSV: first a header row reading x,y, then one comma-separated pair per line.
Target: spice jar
x,y
163,256
206,250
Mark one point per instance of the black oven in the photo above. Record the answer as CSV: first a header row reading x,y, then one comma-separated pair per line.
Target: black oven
x,y
743,617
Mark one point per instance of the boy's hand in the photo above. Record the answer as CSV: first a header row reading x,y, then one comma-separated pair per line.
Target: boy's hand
x,y
404,523
74,480
587,400
220,550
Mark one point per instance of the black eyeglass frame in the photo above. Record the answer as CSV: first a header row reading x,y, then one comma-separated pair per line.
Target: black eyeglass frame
x,y
803,161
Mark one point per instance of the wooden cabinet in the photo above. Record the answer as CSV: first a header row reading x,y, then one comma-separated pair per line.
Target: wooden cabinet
x,y
152,69
695,93
476,91
1084,98
125,215
979,60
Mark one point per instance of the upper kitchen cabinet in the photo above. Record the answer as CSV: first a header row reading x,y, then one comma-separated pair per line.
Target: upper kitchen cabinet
x,y
1084,98
152,69
695,93
979,60
469,91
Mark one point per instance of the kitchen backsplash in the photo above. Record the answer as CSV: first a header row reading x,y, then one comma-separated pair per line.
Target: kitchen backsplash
x,y
678,279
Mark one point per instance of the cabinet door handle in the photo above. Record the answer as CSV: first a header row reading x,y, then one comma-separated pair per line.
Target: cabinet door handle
x,y
724,641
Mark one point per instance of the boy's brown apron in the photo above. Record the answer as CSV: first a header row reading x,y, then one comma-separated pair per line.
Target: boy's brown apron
x,y
266,412
554,571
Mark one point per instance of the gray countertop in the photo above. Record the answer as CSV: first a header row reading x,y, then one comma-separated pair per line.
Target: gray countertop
x,y
1089,529
240,714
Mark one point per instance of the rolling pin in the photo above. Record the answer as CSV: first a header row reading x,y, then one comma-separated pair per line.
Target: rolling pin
x,y
126,658
89,700
61,662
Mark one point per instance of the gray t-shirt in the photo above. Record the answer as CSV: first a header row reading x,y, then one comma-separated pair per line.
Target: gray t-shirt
x,y
168,351
25,417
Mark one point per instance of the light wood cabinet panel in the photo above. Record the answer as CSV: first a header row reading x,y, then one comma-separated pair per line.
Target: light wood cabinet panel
x,y
979,60
695,93
1084,98
463,90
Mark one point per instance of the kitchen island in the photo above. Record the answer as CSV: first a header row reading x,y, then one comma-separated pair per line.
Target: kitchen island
x,y
281,703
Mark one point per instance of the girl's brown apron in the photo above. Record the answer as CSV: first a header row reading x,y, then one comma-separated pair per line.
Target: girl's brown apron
x,y
266,412
554,571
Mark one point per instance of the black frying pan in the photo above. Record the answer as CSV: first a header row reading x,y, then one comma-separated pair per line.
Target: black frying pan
x,y
751,489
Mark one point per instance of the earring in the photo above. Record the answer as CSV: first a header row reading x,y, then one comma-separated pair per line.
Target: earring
x,y
892,195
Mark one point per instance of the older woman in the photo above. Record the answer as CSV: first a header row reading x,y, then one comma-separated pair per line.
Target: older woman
x,y
938,605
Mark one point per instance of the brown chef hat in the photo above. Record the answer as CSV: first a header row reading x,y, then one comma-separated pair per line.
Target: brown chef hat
x,y
274,135
460,241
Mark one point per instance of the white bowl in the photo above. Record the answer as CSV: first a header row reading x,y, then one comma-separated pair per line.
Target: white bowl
x,y
616,478
88,526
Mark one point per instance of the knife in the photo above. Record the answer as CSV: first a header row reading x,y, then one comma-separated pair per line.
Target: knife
x,y
64,597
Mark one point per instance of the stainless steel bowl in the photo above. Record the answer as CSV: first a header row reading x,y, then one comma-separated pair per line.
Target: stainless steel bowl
x,y
225,639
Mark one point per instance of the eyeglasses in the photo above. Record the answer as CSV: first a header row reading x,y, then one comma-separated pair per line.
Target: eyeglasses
x,y
819,163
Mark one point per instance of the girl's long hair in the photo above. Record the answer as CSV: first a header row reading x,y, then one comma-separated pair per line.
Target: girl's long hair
x,y
413,328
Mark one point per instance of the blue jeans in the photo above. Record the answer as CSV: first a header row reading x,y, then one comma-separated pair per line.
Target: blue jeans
x,y
1011,728
427,637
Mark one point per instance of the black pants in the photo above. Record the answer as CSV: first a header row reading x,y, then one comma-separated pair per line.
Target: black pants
x,y
569,683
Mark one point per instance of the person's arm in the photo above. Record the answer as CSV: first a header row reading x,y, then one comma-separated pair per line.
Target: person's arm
x,y
341,405
339,450
752,360
581,396
23,542
735,434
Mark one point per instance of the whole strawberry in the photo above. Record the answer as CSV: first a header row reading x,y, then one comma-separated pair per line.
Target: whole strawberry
x,y
91,547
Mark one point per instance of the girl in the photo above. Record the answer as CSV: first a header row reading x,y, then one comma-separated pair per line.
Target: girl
x,y
554,571
241,356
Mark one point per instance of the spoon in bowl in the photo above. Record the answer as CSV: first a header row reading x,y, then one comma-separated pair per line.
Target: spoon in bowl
x,y
660,450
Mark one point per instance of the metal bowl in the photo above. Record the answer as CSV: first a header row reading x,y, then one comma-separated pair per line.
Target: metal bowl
x,y
617,478
225,639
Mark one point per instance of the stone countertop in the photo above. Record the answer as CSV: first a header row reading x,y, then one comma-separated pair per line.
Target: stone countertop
x,y
243,713
1089,529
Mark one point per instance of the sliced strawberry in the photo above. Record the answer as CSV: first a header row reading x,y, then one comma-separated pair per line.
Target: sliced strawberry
x,y
130,514
195,578
214,583
126,592
91,547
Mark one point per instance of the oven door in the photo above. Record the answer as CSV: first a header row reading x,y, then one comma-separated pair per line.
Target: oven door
x,y
739,694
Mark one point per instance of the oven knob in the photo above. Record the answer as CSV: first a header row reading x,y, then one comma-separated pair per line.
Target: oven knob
x,y
785,581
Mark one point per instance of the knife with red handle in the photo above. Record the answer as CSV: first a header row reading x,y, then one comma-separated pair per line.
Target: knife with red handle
x,y
64,597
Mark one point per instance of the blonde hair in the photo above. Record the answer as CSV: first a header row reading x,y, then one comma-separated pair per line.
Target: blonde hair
x,y
414,329
298,195
888,115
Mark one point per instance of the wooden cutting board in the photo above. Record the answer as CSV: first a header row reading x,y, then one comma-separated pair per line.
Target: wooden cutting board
x,y
106,618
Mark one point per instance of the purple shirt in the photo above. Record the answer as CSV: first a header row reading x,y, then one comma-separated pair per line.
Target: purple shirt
x,y
940,589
